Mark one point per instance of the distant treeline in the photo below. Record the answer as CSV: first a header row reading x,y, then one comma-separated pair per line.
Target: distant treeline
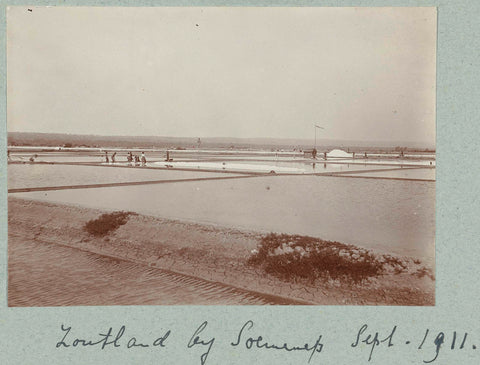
x,y
96,141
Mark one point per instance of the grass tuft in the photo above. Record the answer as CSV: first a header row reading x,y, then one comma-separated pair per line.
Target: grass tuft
x,y
292,256
106,223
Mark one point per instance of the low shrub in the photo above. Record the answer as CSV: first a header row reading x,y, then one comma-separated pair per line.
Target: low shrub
x,y
423,271
292,256
106,223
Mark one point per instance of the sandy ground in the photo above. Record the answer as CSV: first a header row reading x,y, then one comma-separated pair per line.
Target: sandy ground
x,y
209,252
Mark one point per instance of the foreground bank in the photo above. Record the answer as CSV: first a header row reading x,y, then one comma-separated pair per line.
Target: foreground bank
x,y
211,253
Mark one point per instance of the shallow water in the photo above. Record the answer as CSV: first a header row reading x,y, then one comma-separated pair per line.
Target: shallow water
x,y
420,174
267,166
364,169
393,162
41,175
391,216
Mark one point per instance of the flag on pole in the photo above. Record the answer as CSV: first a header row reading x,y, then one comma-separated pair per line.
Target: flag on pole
x,y
319,127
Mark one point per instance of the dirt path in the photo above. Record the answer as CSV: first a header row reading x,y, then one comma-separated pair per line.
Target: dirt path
x,y
42,274
211,253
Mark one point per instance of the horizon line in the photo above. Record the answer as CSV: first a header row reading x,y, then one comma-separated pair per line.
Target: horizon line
x,y
226,137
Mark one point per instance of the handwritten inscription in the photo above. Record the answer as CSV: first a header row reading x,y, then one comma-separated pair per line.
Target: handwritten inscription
x,y
196,340
373,340
247,338
260,343
103,340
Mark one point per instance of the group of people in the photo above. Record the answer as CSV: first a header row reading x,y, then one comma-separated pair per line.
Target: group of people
x,y
133,160
113,157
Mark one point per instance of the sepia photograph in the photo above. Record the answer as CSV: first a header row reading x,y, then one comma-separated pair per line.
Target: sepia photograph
x,y
221,156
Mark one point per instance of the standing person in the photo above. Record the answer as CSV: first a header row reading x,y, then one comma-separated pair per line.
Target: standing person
x,y
106,157
144,159
314,153
113,157
130,158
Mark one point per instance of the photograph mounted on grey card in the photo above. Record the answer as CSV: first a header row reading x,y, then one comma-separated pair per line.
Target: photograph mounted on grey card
x,y
221,156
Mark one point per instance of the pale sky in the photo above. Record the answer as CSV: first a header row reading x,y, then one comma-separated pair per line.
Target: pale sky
x,y
361,73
